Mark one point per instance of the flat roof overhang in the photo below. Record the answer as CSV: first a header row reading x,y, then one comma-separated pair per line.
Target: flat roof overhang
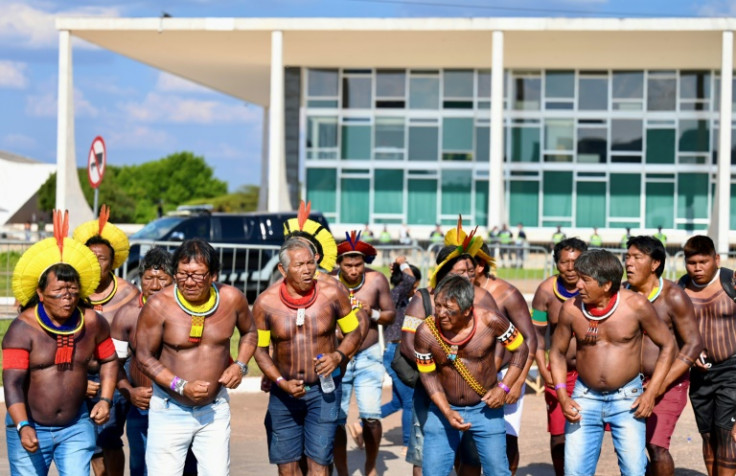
x,y
233,55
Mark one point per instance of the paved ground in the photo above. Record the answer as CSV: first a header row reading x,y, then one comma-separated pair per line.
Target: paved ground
x,y
249,454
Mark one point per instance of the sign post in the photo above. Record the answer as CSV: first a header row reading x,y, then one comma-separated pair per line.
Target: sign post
x,y
96,162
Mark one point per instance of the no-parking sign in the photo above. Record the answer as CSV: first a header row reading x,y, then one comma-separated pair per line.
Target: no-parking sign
x,y
96,162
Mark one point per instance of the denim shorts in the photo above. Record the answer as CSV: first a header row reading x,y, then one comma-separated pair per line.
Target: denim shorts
x,y
364,374
302,425
70,447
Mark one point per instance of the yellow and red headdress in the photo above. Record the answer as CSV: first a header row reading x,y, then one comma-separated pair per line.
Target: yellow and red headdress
x,y
316,233
353,246
114,235
46,253
468,244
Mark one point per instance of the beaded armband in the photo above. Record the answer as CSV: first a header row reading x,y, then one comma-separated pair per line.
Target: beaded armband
x,y
425,362
264,338
512,338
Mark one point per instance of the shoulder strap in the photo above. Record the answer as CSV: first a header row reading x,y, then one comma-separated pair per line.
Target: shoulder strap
x,y
683,281
727,283
426,300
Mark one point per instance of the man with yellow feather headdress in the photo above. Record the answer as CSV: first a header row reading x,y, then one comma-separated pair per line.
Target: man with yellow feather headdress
x,y
46,353
111,247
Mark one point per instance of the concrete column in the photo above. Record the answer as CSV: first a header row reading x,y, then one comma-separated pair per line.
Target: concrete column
x,y
496,205
722,211
68,191
263,191
278,197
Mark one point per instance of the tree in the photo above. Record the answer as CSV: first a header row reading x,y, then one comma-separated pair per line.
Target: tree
x,y
245,199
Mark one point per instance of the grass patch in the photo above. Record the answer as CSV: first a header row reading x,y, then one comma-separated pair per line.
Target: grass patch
x,y
8,260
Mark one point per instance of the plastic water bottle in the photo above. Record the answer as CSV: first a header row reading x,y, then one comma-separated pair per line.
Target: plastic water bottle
x,y
327,383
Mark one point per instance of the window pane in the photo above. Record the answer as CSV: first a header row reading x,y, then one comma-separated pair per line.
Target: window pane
x,y
321,132
322,189
458,83
625,192
424,93
557,194
592,145
484,83
590,208
559,84
322,82
524,202
356,142
481,202
527,92
694,85
660,146
628,85
457,134
626,135
694,136
482,144
389,132
692,196
661,94
525,144
593,94
558,134
456,192
389,191
423,143
353,191
660,207
356,93
391,83
422,202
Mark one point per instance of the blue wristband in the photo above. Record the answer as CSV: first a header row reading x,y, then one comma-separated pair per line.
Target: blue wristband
x,y
22,425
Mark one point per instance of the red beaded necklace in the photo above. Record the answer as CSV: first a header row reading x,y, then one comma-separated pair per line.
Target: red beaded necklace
x,y
594,316
300,304
455,345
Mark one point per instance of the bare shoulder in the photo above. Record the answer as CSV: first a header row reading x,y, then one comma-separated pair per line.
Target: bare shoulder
x,y
569,310
20,332
673,293
231,293
375,276
95,321
127,315
483,299
126,287
544,292
638,303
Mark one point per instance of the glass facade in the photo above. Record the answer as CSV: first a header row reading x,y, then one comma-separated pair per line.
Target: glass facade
x,y
581,148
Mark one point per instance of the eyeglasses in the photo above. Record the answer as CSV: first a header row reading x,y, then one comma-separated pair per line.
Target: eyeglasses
x,y
196,277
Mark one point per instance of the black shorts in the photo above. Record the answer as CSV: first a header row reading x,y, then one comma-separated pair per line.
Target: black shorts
x,y
713,395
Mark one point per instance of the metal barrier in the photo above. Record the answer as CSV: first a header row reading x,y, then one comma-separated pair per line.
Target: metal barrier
x,y
10,252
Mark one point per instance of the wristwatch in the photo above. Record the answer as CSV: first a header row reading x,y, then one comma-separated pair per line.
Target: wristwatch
x,y
243,367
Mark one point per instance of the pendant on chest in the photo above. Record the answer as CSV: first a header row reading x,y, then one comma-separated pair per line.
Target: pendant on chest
x,y
453,353
300,315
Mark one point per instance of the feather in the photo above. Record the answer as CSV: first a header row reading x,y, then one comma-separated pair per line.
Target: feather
x,y
104,216
303,214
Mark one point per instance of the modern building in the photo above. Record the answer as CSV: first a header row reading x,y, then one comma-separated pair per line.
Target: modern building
x,y
20,180
582,123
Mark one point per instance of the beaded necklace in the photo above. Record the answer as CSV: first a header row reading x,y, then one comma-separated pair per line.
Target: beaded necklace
x,y
701,286
562,293
594,316
655,292
352,290
98,304
64,333
198,312
300,304
141,300
455,345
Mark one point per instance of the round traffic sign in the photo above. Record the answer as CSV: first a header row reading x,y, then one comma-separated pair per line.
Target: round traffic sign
x,y
96,162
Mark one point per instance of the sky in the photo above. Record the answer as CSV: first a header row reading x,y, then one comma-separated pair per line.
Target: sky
x,y
144,114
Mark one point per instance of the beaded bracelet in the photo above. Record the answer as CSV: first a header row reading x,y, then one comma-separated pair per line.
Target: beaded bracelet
x,y
560,385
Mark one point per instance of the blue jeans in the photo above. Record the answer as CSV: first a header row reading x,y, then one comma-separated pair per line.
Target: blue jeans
x,y
420,407
402,394
364,373
173,427
583,439
70,447
110,433
441,441
137,431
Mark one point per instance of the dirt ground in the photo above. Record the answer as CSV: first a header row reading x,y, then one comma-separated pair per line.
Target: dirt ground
x,y
249,454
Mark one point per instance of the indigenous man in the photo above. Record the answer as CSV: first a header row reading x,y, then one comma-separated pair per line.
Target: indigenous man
x,y
513,306
607,323
301,315
370,291
645,262
713,379
156,273
454,353
46,352
546,305
456,258
183,345
110,244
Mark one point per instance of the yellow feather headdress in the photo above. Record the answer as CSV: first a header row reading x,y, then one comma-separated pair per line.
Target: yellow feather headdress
x,y
465,244
46,253
320,236
114,235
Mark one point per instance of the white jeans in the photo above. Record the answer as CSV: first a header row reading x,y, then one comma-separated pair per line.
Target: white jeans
x,y
173,427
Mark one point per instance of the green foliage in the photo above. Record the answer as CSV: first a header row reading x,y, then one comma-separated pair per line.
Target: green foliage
x,y
133,192
245,199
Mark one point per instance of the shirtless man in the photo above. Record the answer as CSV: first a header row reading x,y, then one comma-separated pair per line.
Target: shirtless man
x,y
110,244
546,305
712,379
461,264
513,306
370,290
607,324
645,262
183,345
301,315
46,352
454,353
